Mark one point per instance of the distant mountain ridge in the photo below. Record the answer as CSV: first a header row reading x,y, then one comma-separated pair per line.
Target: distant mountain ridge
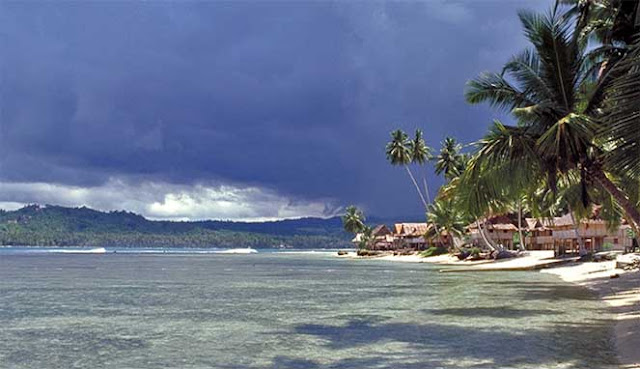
x,y
52,225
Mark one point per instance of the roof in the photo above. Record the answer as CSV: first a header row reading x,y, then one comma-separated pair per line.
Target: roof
x,y
410,229
504,227
566,220
380,230
532,223
538,224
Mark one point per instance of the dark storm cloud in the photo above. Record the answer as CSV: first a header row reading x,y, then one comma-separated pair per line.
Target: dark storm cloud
x,y
292,97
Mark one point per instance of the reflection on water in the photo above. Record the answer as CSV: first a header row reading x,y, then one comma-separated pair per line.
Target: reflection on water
x,y
288,311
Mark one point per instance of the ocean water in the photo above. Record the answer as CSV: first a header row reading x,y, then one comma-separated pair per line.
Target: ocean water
x,y
288,310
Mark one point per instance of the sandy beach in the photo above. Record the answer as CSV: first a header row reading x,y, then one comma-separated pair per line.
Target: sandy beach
x,y
622,294
531,260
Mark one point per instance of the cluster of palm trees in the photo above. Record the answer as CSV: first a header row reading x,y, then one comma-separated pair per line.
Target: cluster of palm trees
x,y
574,100
450,162
574,96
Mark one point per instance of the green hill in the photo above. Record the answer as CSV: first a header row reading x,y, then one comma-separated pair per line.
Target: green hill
x,y
36,225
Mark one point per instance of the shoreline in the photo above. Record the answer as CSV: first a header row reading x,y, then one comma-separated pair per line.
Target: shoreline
x,y
532,260
620,293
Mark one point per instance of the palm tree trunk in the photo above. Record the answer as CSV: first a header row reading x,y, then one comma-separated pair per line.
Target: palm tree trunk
x,y
522,247
413,179
629,208
456,245
426,192
576,226
635,229
484,237
490,238
426,187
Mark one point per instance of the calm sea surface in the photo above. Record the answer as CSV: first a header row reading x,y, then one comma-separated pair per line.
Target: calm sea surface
x,y
288,310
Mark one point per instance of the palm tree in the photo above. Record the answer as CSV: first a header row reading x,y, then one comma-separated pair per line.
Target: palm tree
x,y
399,153
365,237
444,216
449,161
353,220
552,91
612,23
420,155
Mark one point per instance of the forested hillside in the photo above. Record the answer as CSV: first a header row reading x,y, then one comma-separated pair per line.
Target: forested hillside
x,y
60,226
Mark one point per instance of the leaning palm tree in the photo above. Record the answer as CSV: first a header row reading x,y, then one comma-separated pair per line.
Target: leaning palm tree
x,y
558,100
449,160
420,155
353,220
399,153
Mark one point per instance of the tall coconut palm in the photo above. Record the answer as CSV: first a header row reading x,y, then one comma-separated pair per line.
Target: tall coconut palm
x,y
449,160
552,91
353,220
420,155
399,153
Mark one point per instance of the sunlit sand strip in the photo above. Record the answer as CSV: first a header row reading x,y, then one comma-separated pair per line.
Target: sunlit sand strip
x,y
622,294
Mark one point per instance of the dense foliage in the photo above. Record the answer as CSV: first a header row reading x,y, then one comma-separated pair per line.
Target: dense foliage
x,y
61,226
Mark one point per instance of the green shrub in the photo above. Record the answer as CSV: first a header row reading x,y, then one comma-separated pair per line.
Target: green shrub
x,y
474,252
433,251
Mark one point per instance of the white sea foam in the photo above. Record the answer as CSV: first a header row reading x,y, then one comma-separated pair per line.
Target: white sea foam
x,y
237,251
98,250
309,252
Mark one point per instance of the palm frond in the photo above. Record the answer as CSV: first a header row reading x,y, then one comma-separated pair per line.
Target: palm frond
x,y
620,120
566,141
497,91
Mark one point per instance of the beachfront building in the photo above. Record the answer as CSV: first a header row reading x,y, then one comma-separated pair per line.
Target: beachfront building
x,y
594,233
500,230
382,238
410,235
538,234
402,236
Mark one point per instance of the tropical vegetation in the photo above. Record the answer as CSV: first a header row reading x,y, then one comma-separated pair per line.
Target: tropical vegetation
x,y
574,137
60,226
354,222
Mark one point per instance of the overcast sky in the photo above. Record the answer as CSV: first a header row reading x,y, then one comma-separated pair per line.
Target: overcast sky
x,y
245,110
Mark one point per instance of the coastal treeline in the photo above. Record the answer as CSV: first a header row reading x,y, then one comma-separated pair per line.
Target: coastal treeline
x,y
574,98
60,226
571,145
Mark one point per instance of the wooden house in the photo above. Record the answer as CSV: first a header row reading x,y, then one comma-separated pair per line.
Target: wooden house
x,y
382,238
410,235
499,230
593,231
538,234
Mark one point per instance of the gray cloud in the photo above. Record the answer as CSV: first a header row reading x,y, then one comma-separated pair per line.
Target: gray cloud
x,y
291,98
168,201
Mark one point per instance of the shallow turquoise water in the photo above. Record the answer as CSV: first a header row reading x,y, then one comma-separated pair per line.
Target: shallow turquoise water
x,y
287,310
